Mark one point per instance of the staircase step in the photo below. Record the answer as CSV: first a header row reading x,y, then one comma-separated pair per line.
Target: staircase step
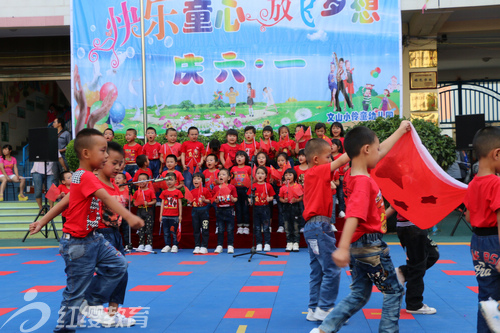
x,y
19,234
25,218
18,204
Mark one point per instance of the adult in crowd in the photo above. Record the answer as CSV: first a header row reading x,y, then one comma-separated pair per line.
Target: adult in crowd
x,y
64,137
9,173
42,178
51,113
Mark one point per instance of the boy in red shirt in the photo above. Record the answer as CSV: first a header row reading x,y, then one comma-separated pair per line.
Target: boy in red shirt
x,y
65,178
225,197
171,147
318,232
199,213
145,200
228,150
291,196
361,238
170,165
131,149
191,154
79,235
142,163
171,213
152,150
483,212
249,145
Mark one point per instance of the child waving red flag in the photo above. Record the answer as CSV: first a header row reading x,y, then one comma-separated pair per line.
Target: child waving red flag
x,y
188,195
53,193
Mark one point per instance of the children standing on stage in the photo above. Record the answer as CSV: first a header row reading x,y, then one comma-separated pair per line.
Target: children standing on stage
x,y
131,149
241,174
191,155
143,164
170,165
264,194
483,207
362,234
145,201
202,197
301,169
171,147
171,213
318,232
290,197
152,150
120,179
286,145
228,150
281,160
225,198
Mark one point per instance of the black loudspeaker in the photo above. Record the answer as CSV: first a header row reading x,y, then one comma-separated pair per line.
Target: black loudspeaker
x,y
43,146
466,127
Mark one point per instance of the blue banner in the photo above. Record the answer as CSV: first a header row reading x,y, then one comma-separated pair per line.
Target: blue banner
x,y
218,64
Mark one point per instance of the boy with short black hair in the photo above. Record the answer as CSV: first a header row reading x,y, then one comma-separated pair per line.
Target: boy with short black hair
x,y
145,201
483,212
171,213
91,250
170,164
361,243
249,145
191,154
131,149
318,232
152,150
171,147
109,134
143,164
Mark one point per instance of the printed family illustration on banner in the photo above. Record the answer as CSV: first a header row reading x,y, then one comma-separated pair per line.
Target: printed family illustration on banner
x,y
219,64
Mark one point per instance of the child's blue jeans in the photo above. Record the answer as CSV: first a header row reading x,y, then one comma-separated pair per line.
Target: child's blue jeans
x,y
291,216
225,217
188,179
131,169
170,226
370,265
241,207
261,221
485,252
154,166
200,221
325,275
82,256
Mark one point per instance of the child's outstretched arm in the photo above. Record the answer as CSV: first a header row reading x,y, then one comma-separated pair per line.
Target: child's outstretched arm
x,y
341,256
391,141
339,162
51,214
133,220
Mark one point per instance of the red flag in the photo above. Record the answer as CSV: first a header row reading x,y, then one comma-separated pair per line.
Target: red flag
x,y
197,169
299,133
214,197
190,165
52,193
415,184
179,234
224,190
307,135
265,146
208,151
254,170
287,166
289,192
188,195
298,191
140,200
228,163
276,174
327,139
169,149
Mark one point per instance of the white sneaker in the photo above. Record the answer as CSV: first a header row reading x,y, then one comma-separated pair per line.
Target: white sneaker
x,y
203,250
148,248
267,248
295,247
401,276
281,230
175,249
258,248
491,314
165,249
141,247
425,309
341,214
310,315
196,250
289,247
230,249
216,230
122,321
218,249
97,314
315,330
246,231
240,231
301,230
321,314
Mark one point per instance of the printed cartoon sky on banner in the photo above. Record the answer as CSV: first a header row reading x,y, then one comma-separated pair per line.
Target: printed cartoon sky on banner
x,y
195,49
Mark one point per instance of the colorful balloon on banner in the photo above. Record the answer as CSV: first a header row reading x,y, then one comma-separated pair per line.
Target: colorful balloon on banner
x,y
106,88
117,112
375,72
259,63
90,96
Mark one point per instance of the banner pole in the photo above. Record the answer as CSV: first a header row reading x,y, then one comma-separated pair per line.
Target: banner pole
x,y
143,45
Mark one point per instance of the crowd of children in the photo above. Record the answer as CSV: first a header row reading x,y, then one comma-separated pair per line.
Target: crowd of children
x,y
233,176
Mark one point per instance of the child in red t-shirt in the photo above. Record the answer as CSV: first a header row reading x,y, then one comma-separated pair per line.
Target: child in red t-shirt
x,y
225,197
334,185
285,144
171,213
142,163
65,179
152,150
262,160
337,150
211,174
241,174
281,160
337,132
264,194
199,213
302,167
290,196
362,234
145,201
320,131
120,179
191,156
300,144
171,147
79,234
483,207
131,149
269,146
318,232
249,145
228,150
170,165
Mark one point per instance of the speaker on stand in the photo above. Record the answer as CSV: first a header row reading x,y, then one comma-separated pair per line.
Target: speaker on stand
x,y
43,147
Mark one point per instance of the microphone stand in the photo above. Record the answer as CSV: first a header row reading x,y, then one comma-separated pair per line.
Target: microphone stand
x,y
253,251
